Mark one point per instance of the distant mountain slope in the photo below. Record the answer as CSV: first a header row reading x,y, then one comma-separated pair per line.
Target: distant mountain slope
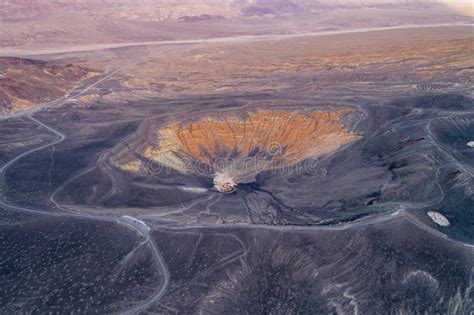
x,y
165,10
45,22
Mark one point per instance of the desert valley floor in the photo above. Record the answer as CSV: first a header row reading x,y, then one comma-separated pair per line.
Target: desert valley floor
x,y
319,173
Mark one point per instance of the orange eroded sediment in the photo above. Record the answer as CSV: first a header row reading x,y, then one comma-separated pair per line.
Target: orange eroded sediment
x,y
287,136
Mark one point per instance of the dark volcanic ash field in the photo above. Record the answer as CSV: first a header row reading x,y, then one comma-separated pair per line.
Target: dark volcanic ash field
x,y
342,185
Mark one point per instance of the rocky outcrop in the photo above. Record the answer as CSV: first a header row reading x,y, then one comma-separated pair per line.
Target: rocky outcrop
x,y
25,82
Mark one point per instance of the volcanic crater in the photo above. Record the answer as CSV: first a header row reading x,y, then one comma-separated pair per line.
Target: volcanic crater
x,y
234,147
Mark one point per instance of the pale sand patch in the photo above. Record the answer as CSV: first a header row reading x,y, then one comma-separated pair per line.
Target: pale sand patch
x,y
438,218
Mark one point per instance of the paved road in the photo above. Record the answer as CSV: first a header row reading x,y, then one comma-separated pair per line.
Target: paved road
x,y
243,38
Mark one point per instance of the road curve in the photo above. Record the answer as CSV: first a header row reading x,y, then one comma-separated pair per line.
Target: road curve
x,y
18,157
61,137
145,231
